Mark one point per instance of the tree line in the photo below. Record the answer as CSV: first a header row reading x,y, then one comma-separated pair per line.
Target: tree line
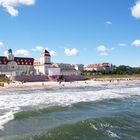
x,y
118,70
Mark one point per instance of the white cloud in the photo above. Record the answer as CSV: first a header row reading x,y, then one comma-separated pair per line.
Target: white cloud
x,y
108,23
135,10
47,49
10,5
71,52
22,52
41,48
1,45
11,10
52,53
5,53
122,45
102,48
103,53
38,48
136,43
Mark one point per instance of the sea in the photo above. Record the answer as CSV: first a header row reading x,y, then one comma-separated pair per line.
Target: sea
x,y
108,111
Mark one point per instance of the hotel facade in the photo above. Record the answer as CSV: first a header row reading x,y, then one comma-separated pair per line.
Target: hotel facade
x,y
21,66
11,65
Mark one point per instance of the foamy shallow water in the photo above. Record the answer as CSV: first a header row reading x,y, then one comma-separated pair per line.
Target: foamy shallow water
x,y
12,101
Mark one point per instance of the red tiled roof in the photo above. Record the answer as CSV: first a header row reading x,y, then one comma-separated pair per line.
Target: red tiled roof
x,y
3,60
45,53
99,65
24,61
19,60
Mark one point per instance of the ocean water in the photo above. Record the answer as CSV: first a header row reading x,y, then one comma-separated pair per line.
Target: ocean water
x,y
87,112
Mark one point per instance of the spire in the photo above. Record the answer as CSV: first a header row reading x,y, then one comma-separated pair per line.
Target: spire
x,y
10,51
10,55
45,53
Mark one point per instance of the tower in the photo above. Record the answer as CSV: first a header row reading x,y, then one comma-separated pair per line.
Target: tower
x,y
10,55
45,58
45,62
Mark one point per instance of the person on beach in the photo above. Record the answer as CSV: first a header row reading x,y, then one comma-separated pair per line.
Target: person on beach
x,y
42,83
60,79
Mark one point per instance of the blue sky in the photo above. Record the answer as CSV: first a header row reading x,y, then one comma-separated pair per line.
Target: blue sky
x,y
74,31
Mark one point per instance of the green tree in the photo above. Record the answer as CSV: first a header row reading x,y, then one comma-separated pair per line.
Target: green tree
x,y
122,69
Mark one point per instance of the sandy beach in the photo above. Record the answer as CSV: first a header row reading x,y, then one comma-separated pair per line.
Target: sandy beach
x,y
54,84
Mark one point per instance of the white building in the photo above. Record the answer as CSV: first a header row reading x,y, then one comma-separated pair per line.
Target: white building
x,y
69,69
54,71
41,66
12,66
100,67
17,66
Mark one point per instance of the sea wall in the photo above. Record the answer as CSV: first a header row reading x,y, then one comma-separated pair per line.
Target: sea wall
x,y
37,78
30,78
67,78
73,78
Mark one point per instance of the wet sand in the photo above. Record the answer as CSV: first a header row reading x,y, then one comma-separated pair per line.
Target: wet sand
x,y
54,84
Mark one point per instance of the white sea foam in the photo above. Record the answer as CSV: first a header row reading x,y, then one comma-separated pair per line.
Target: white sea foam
x,y
112,134
93,126
8,116
15,101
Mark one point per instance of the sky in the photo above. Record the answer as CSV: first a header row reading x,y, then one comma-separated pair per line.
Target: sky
x,y
74,31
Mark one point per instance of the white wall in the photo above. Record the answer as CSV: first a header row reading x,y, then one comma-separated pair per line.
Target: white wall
x,y
53,71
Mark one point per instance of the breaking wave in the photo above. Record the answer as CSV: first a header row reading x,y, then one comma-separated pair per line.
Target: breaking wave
x,y
119,127
19,102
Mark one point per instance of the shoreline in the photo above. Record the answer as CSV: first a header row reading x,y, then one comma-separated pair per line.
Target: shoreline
x,y
54,84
